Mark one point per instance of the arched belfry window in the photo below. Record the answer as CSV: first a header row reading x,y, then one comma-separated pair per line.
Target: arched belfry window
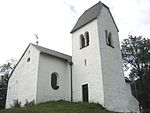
x,y
86,34
82,41
54,80
108,36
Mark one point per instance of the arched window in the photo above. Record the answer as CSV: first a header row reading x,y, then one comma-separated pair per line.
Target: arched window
x,y
110,39
54,80
86,34
82,41
108,36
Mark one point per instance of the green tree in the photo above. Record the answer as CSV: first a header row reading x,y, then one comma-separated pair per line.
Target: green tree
x,y
136,56
5,72
136,59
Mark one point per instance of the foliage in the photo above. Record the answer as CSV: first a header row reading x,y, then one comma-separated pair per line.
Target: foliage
x,y
29,103
136,55
16,104
142,95
3,90
136,58
5,71
59,107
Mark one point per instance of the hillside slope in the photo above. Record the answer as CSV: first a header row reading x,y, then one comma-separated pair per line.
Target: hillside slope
x,y
59,107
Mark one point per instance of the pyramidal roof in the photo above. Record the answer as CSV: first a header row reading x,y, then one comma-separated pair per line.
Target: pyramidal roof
x,y
89,15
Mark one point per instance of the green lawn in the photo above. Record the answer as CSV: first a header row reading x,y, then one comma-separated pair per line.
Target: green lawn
x,y
59,107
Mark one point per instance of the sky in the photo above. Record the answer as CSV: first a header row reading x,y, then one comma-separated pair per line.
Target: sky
x,y
52,21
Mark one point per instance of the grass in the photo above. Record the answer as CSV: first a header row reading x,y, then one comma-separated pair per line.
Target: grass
x,y
59,107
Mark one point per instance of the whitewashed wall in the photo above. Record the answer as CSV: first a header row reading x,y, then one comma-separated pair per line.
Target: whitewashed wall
x,y
23,82
47,65
132,102
91,73
115,96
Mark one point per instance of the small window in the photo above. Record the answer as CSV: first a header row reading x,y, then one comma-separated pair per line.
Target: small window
x,y
86,34
28,60
82,41
108,36
29,52
54,80
85,62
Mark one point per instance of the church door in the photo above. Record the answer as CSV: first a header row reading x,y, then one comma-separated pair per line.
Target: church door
x,y
85,96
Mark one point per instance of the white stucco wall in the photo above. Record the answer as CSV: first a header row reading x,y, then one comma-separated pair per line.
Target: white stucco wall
x,y
23,82
47,65
115,96
91,73
132,102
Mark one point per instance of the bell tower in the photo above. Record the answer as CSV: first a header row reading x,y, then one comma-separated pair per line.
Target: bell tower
x,y
97,63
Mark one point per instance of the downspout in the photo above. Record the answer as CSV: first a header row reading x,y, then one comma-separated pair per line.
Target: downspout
x,y
71,63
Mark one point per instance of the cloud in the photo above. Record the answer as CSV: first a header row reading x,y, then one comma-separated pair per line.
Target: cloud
x,y
53,21
72,8
129,15
132,17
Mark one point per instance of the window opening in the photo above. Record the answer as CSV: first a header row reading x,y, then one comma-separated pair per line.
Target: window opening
x,y
85,62
82,41
86,34
28,60
29,52
108,36
54,80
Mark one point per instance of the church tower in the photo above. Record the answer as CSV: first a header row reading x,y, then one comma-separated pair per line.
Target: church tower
x,y
97,64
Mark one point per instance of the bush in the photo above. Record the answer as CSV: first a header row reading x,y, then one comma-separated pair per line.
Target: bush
x,y
29,103
16,104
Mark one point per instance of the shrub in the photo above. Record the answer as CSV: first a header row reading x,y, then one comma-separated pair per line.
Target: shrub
x,y
29,103
16,103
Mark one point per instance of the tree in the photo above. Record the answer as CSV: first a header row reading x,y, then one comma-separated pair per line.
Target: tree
x,y
136,58
5,72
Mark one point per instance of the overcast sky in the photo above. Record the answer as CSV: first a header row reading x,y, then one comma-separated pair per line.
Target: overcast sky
x,y
53,20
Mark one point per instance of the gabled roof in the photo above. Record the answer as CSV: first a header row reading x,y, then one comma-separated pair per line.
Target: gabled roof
x,y
90,15
45,51
52,52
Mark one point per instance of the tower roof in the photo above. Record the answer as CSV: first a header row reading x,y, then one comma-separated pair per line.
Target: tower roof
x,y
89,15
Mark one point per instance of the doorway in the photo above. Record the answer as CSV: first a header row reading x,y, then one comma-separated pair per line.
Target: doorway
x,y
85,96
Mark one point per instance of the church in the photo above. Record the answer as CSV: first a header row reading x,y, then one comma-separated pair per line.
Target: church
x,y
94,72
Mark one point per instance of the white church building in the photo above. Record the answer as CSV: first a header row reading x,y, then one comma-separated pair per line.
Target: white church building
x,y
94,72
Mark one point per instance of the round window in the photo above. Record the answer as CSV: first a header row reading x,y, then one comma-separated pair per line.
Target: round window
x,y
28,60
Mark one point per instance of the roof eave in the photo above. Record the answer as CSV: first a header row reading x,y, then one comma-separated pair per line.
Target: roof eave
x,y
67,59
20,60
53,53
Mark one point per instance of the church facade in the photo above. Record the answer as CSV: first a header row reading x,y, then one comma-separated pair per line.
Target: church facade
x,y
94,72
